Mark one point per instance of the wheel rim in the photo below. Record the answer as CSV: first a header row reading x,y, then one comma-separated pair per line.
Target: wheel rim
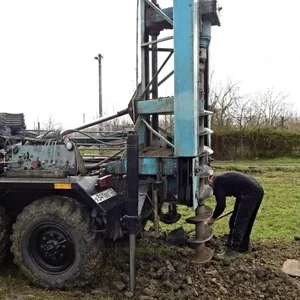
x,y
51,248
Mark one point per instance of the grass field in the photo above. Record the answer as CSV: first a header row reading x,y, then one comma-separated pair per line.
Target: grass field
x,y
278,219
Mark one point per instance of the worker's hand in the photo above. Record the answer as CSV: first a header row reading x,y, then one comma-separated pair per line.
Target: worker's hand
x,y
210,221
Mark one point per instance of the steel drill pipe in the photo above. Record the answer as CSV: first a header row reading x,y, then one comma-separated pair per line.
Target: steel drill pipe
x,y
102,120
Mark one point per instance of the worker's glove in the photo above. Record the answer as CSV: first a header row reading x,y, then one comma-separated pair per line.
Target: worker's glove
x,y
210,221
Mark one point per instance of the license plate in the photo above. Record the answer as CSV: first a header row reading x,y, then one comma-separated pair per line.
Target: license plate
x,y
104,195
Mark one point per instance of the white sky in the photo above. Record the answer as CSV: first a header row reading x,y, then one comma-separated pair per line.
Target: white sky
x,y
47,53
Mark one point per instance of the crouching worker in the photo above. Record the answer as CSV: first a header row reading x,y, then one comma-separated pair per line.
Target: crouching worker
x,y
249,194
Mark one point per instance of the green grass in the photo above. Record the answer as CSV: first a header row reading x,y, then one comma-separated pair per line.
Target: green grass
x,y
278,217
260,166
260,162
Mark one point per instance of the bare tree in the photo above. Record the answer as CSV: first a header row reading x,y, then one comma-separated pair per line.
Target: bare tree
x,y
275,107
223,98
51,124
231,109
243,113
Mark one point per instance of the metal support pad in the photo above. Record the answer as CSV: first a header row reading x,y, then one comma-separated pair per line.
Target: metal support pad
x,y
147,166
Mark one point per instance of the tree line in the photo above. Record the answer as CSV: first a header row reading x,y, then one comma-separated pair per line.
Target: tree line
x,y
231,109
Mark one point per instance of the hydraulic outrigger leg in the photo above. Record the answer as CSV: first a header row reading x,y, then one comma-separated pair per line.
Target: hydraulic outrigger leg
x,y
132,218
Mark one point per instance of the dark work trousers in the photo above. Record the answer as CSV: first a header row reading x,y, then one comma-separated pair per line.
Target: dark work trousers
x,y
242,219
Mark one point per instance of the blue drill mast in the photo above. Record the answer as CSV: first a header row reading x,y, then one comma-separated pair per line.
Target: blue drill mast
x,y
175,166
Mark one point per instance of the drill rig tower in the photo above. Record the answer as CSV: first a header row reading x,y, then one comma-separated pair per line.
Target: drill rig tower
x,y
175,166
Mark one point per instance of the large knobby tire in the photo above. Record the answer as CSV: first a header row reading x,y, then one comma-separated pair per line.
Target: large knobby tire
x,y
62,225
4,235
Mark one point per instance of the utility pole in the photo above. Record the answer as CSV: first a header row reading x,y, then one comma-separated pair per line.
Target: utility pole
x,y
99,58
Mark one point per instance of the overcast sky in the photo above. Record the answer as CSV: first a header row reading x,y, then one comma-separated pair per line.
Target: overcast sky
x,y
47,54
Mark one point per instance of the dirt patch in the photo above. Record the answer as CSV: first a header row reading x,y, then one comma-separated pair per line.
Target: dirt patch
x,y
167,272
157,151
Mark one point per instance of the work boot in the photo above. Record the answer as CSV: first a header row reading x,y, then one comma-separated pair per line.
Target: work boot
x,y
227,254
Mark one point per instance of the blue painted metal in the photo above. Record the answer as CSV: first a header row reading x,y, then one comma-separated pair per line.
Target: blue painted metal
x,y
147,166
186,53
186,91
160,106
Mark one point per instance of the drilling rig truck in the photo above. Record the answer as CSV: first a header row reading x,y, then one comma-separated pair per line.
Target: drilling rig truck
x,y
56,210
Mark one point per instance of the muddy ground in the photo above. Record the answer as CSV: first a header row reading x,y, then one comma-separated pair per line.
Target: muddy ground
x,y
166,272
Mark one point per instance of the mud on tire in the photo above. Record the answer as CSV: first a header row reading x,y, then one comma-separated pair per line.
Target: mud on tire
x,y
4,234
53,244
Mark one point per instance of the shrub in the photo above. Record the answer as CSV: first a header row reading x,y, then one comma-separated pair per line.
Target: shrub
x,y
263,142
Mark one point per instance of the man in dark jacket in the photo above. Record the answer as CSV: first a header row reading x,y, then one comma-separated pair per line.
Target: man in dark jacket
x,y
249,194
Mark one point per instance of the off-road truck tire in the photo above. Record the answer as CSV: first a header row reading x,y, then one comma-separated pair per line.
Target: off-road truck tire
x,y
56,224
4,234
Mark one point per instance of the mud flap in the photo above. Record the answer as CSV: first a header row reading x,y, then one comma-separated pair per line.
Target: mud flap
x,y
100,199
